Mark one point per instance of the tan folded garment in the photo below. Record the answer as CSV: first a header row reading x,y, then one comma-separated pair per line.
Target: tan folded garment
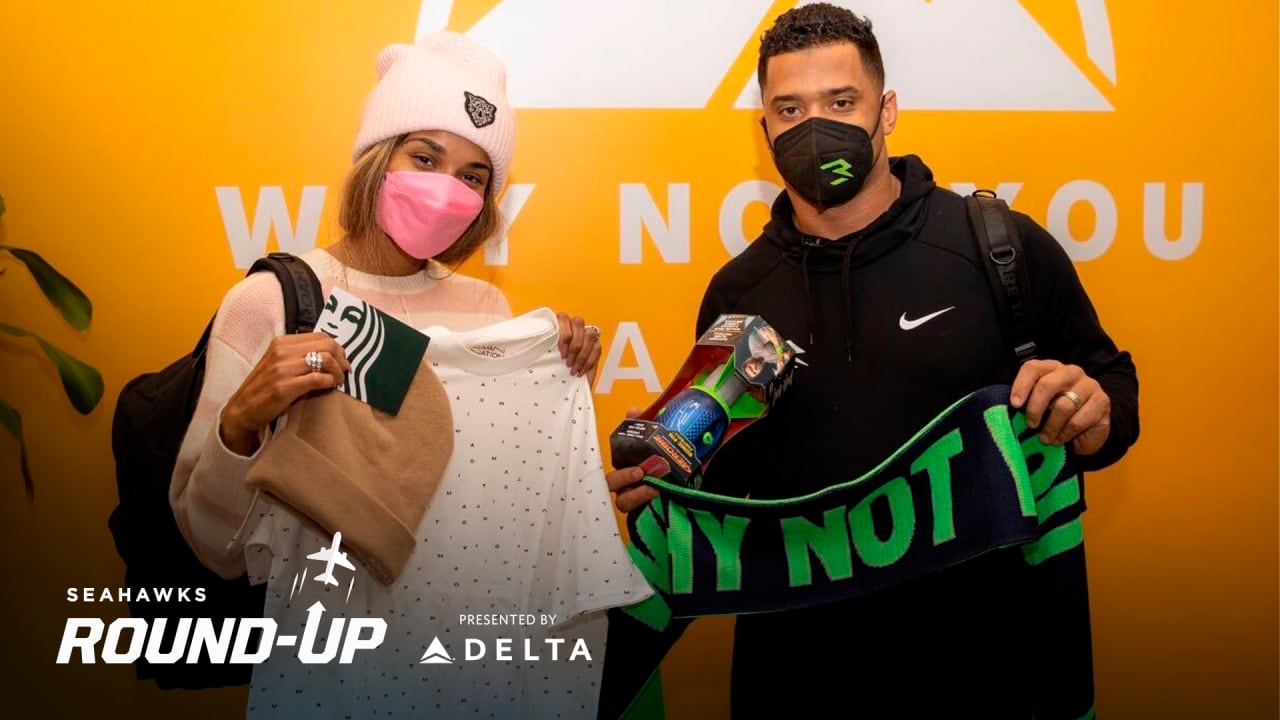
x,y
346,467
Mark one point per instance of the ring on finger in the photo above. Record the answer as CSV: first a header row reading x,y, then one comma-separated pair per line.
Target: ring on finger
x,y
593,331
1072,396
315,363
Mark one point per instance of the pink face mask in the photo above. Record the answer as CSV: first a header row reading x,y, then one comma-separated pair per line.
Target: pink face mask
x,y
426,212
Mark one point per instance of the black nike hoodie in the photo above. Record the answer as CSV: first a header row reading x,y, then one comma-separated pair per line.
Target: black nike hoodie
x,y
897,321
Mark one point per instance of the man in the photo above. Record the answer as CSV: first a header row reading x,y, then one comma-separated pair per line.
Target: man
x,y
874,271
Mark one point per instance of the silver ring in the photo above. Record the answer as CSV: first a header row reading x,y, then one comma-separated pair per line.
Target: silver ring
x,y
1074,398
592,330
314,361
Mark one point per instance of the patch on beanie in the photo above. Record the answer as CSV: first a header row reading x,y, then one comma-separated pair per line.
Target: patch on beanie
x,y
481,111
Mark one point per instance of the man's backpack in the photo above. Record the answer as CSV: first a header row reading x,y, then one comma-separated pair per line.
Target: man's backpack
x,y
1006,268
151,418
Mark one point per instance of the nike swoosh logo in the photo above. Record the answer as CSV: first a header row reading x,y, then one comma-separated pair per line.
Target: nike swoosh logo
x,y
906,324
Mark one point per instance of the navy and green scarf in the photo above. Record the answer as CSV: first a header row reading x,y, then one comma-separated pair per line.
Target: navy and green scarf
x,y
975,480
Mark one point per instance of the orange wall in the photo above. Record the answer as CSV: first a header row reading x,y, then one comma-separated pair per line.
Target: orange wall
x,y
119,120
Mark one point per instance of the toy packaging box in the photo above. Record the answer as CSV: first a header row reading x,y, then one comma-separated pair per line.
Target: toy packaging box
x,y
735,373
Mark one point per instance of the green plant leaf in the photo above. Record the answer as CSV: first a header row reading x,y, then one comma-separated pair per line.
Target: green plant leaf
x,y
69,299
12,422
81,382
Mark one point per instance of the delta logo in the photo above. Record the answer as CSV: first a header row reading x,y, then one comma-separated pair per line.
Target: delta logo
x,y
939,54
534,651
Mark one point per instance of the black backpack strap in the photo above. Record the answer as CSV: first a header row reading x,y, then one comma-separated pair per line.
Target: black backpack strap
x,y
1004,261
302,293
198,353
303,296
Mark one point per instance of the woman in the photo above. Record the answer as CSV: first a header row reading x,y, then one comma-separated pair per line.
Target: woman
x,y
431,156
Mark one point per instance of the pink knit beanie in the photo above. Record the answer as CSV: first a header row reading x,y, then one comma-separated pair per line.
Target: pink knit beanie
x,y
444,81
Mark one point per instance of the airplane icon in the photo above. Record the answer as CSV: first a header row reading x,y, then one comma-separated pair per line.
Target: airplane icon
x,y
331,556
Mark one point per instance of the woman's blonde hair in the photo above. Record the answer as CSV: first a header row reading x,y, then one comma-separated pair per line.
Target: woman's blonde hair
x,y
358,214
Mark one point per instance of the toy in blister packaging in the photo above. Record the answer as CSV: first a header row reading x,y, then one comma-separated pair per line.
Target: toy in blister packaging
x,y
736,371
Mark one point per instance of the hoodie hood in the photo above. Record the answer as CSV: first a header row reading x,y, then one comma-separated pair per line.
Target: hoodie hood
x,y
814,255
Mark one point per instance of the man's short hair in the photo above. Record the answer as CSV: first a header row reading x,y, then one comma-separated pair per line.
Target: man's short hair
x,y
817,25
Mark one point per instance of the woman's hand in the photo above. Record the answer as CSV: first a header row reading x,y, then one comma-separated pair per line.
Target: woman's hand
x,y
280,378
579,345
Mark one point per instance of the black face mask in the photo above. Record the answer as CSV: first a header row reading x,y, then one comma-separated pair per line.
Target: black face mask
x,y
826,161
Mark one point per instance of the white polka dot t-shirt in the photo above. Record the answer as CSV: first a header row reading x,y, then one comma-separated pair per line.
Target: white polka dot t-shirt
x,y
521,526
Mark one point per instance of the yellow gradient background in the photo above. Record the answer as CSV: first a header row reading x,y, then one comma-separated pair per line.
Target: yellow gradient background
x,y
119,120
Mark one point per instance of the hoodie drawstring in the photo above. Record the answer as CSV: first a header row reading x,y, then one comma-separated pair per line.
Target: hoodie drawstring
x,y
808,294
846,296
846,299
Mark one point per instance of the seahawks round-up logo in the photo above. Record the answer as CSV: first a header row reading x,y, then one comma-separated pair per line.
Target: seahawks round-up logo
x,y
481,111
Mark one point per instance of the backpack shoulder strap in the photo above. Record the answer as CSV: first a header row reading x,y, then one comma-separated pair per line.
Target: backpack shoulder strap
x,y
303,299
302,292
1001,252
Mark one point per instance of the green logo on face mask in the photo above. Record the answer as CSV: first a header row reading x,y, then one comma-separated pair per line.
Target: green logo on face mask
x,y
839,167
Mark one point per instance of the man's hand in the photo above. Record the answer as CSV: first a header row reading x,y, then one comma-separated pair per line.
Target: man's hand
x,y
1047,387
626,483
